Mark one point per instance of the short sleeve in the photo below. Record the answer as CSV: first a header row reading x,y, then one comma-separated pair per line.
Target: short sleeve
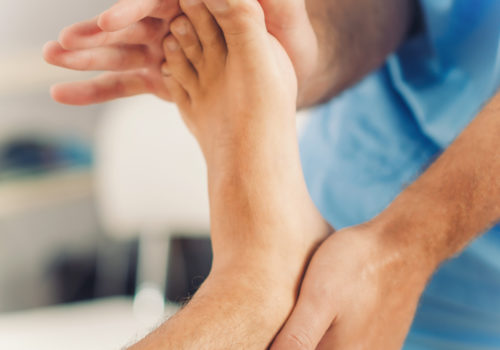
x,y
447,71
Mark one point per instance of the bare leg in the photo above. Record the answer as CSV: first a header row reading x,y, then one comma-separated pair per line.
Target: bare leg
x,y
236,89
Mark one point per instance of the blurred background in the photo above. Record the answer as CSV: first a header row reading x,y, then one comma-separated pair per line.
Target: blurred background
x,y
103,209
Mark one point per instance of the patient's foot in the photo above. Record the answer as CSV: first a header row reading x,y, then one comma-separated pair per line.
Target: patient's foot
x,y
289,22
217,77
236,89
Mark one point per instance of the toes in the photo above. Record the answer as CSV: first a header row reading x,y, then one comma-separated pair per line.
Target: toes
x,y
177,92
207,29
184,32
178,64
238,19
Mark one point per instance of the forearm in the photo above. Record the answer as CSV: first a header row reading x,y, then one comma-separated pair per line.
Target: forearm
x,y
457,198
354,38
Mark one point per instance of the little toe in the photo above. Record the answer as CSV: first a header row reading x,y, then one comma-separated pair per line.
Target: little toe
x,y
207,29
178,64
182,29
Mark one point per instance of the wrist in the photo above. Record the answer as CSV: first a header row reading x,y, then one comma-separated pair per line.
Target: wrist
x,y
393,260
421,228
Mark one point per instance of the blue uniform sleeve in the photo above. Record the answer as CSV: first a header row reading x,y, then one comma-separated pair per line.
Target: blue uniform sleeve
x,y
449,69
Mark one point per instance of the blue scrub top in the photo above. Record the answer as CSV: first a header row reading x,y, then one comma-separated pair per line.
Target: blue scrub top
x,y
362,148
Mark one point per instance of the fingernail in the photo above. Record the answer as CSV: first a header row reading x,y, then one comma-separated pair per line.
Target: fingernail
x,y
218,5
172,45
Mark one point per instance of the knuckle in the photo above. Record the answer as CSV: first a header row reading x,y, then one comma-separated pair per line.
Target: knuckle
x,y
89,62
121,60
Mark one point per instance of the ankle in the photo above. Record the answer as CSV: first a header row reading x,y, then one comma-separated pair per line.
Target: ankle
x,y
269,295
264,217
276,259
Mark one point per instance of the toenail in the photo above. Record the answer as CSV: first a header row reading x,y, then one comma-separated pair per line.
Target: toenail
x,y
172,45
218,5
181,28
165,70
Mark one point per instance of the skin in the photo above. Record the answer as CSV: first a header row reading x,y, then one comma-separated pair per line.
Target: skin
x,y
126,39
222,79
329,49
355,270
401,247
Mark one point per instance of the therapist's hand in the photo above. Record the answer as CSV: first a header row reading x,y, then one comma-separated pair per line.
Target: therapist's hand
x,y
124,40
360,291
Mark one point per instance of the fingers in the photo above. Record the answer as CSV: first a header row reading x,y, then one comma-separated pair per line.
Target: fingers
x,y
308,322
82,35
127,12
107,87
88,34
113,58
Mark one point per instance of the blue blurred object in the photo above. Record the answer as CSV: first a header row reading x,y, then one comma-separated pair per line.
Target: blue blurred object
x,y
361,149
33,155
22,154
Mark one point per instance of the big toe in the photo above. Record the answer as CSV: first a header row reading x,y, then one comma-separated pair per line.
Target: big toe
x,y
238,19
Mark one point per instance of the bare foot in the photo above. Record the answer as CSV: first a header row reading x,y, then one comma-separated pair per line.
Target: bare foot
x,y
215,78
236,89
129,48
289,22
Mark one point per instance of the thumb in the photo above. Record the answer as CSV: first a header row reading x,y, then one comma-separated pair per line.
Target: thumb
x,y
125,13
308,322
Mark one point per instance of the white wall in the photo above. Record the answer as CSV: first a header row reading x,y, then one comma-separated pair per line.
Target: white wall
x,y
28,242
